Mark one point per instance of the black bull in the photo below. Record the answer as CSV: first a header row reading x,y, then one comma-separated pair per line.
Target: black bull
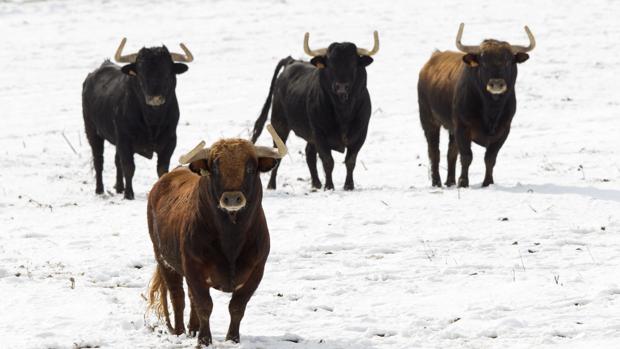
x,y
472,95
325,102
135,108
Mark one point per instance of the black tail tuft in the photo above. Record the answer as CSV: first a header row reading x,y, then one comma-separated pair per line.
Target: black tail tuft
x,y
262,118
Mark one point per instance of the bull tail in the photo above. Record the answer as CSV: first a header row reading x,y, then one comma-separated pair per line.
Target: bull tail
x,y
262,118
158,297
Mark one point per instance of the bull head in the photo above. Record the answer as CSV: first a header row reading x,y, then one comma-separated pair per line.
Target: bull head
x,y
155,69
232,166
495,61
342,66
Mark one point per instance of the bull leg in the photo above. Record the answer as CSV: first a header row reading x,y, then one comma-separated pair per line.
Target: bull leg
x,y
174,282
238,302
489,159
128,166
432,140
453,153
283,133
463,141
194,323
350,160
120,185
199,293
96,146
328,166
311,161
164,155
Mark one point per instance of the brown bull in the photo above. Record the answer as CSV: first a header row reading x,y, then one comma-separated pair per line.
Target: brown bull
x,y
472,95
207,224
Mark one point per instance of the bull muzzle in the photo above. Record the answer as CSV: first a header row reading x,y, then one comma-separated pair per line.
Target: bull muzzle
x,y
232,201
342,89
155,101
497,86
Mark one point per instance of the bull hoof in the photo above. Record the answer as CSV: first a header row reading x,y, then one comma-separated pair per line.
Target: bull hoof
x,y
233,338
177,331
119,188
99,191
487,182
329,186
204,341
463,182
317,184
349,186
271,186
129,195
450,182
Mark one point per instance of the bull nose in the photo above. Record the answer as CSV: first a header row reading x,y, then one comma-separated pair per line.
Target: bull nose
x,y
155,101
341,87
232,201
497,86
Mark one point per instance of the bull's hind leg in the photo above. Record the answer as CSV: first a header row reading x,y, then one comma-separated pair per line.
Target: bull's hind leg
x,y
282,131
96,145
431,132
194,323
120,185
453,153
432,140
311,161
174,282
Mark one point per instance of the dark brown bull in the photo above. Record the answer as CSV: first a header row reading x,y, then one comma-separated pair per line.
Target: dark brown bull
x,y
472,95
207,224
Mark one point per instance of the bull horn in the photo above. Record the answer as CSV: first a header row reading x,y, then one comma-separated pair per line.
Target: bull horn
x,y
178,57
375,47
517,49
277,153
130,58
312,53
199,152
465,48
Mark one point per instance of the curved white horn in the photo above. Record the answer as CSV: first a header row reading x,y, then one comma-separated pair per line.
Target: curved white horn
x,y
178,57
375,46
118,56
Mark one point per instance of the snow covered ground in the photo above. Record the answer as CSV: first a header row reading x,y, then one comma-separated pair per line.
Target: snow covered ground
x,y
533,261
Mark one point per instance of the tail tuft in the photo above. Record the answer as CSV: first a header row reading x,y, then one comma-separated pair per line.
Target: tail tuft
x,y
158,297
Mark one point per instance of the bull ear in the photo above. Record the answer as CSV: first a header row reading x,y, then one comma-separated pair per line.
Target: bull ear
x,y
471,60
199,166
521,57
318,61
179,68
365,61
266,163
129,69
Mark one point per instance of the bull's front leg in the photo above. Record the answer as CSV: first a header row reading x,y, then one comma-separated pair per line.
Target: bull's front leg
x,y
489,159
328,165
351,158
463,141
239,301
163,156
128,166
201,299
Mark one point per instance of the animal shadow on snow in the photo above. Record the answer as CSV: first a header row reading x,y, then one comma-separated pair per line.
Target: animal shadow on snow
x,y
594,193
288,341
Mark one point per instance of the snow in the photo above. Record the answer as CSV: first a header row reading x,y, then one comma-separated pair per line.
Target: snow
x,y
533,261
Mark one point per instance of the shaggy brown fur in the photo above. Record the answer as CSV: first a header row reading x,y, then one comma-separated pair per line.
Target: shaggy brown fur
x,y
453,93
232,156
196,239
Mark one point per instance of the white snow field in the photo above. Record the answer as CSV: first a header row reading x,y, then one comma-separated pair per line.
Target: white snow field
x,y
530,262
